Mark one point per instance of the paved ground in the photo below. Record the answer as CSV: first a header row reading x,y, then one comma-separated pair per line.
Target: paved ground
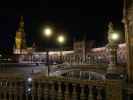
x,y
25,69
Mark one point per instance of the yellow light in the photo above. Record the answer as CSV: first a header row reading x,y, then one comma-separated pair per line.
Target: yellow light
x,y
114,36
61,39
47,32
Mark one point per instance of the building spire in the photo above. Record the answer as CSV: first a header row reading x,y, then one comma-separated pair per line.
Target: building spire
x,y
21,24
20,41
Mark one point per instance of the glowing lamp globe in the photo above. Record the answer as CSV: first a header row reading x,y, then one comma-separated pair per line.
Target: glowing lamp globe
x,y
47,32
115,36
61,39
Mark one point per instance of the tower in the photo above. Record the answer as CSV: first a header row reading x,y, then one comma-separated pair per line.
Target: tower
x,y
128,23
20,42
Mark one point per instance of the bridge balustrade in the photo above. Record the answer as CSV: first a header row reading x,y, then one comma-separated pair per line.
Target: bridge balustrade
x,y
11,89
128,92
63,89
56,88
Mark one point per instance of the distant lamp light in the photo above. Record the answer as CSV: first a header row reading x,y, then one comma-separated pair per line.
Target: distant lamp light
x,y
61,39
29,89
115,36
29,79
47,32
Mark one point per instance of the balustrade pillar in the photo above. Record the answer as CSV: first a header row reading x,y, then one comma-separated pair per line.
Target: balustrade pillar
x,y
27,97
21,92
46,91
0,95
52,92
99,96
0,89
113,90
5,95
39,91
66,93
33,90
89,60
74,93
5,91
90,96
15,91
60,95
128,97
10,91
82,95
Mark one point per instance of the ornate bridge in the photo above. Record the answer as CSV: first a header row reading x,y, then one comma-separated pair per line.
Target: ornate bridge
x,y
63,68
97,71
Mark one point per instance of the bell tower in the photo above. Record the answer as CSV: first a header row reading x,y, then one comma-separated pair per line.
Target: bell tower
x,y
20,42
128,23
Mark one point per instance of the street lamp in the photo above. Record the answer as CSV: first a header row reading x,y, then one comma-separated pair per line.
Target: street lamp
x,y
112,46
61,40
48,33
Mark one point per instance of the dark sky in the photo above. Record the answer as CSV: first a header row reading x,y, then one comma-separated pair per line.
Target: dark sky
x,y
74,18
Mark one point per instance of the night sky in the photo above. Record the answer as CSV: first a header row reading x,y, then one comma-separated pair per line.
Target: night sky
x,y
77,19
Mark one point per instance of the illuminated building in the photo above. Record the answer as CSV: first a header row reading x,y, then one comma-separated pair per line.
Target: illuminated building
x,y
82,51
20,42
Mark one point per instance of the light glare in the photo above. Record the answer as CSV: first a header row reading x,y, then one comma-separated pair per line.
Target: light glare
x,y
114,36
29,79
47,32
61,39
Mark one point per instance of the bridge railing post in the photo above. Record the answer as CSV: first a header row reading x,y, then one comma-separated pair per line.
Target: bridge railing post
x,y
113,90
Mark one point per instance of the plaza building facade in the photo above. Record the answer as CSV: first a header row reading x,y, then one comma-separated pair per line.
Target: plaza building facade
x,y
82,52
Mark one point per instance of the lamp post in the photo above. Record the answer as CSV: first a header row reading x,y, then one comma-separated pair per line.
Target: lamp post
x,y
61,40
112,46
48,33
